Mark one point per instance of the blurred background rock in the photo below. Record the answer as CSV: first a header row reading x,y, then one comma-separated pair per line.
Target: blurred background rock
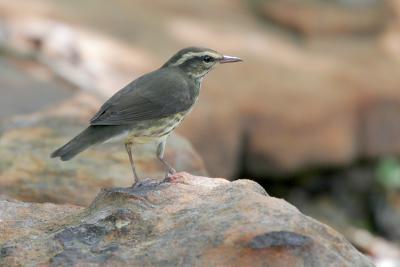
x,y
312,113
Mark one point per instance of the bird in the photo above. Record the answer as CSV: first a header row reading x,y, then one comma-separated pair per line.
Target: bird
x,y
149,108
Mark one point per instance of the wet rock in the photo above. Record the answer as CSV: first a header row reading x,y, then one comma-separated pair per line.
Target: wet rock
x,y
204,221
280,239
28,173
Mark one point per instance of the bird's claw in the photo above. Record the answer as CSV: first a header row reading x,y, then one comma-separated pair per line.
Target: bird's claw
x,y
135,184
171,171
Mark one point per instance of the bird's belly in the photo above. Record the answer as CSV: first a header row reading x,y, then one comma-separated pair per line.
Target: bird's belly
x,y
148,131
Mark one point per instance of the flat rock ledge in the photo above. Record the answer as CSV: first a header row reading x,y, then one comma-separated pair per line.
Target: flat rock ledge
x,y
187,221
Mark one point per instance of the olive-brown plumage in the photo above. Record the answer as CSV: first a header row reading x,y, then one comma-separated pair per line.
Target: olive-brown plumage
x,y
150,107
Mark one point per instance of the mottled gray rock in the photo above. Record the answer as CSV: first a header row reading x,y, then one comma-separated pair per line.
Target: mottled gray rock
x,y
189,221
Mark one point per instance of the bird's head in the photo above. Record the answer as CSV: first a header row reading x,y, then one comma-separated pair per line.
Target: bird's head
x,y
197,62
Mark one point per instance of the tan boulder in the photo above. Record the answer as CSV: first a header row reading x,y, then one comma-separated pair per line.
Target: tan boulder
x,y
189,221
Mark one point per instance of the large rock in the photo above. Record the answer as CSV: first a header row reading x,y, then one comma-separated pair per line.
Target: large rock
x,y
16,99
326,17
189,221
28,173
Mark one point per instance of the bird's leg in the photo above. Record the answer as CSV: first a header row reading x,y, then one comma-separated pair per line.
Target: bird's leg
x,y
160,156
128,147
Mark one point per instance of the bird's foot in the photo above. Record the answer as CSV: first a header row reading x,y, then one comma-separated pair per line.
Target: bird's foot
x,y
169,174
171,171
177,177
135,180
135,184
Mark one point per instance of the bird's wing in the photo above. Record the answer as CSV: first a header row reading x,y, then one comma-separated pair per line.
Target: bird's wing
x,y
152,96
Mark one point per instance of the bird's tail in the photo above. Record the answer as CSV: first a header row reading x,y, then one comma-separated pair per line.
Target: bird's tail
x,y
90,136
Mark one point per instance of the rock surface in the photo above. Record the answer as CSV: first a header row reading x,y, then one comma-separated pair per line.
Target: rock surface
x,y
188,221
28,173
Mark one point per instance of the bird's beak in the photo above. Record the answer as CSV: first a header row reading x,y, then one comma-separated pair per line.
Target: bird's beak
x,y
229,59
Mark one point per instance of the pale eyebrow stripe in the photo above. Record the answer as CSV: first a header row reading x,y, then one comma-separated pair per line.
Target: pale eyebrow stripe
x,y
190,55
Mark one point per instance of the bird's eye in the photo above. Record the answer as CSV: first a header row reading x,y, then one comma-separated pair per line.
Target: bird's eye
x,y
207,59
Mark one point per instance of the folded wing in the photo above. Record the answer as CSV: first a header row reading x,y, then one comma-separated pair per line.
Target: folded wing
x,y
155,95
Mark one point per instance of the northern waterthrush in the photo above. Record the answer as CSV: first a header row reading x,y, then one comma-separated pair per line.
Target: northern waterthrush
x,y
149,108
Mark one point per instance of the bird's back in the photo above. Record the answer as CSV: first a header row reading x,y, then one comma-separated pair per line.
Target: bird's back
x,y
156,95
